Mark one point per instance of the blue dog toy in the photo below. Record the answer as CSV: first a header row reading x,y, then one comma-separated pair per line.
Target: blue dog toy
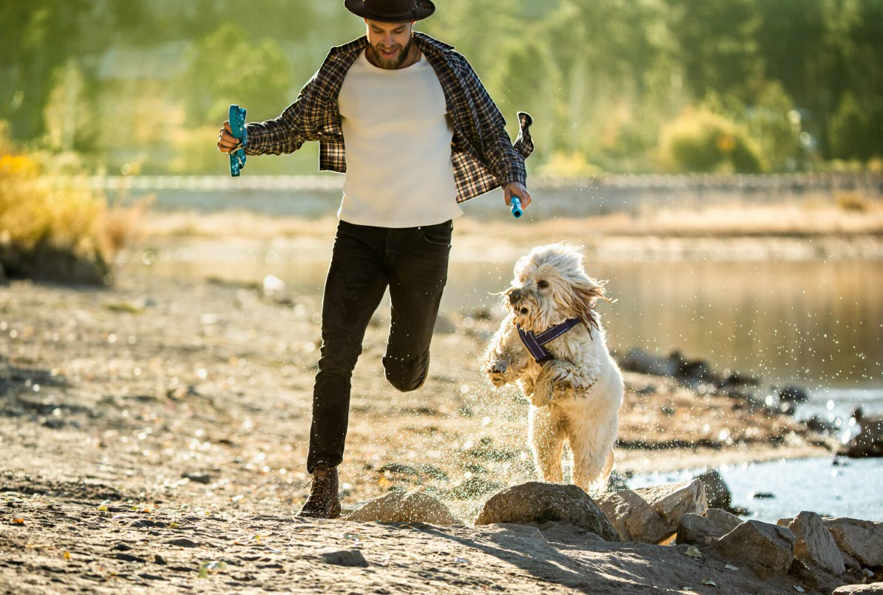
x,y
515,203
237,129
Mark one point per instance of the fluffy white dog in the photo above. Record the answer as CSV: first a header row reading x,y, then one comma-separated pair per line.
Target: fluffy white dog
x,y
575,388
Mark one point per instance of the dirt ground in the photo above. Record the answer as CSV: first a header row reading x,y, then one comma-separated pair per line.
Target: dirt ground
x,y
153,439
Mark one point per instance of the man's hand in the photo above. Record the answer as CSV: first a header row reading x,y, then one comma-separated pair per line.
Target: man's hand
x,y
516,189
226,141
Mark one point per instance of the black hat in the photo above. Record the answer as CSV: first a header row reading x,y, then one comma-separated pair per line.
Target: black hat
x,y
391,11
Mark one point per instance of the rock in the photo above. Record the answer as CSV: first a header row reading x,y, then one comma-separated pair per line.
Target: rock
x,y
399,507
815,543
868,442
793,394
203,478
863,540
675,500
398,468
344,558
871,589
761,545
638,360
717,493
182,542
702,530
537,503
652,515
633,518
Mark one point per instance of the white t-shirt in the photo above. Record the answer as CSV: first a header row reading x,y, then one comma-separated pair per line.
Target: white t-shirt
x,y
398,147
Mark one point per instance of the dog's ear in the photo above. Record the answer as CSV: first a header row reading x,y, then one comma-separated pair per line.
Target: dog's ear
x,y
586,293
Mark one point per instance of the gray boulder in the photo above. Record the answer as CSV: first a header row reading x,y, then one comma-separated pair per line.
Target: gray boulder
x,y
760,545
863,540
716,490
815,543
868,442
701,530
870,589
652,515
401,507
537,503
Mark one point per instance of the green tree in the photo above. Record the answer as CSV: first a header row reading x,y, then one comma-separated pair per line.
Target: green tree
x,y
849,132
719,51
226,68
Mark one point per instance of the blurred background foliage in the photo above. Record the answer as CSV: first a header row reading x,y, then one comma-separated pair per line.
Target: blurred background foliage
x,y
613,85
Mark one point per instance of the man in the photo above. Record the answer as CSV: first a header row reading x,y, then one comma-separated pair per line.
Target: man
x,y
422,135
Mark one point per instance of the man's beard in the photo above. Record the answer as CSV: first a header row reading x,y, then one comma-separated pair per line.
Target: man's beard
x,y
395,62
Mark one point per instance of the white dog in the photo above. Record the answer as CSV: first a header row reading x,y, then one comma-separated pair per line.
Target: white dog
x,y
574,386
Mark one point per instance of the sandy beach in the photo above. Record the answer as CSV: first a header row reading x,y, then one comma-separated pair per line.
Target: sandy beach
x,y
177,408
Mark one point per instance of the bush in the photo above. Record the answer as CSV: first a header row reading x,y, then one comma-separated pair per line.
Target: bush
x,y
47,233
702,141
849,131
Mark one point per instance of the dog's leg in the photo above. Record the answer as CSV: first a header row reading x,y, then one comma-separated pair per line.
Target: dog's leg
x,y
560,379
505,359
546,442
592,458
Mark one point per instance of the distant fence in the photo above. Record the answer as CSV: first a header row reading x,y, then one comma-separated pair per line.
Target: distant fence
x,y
313,196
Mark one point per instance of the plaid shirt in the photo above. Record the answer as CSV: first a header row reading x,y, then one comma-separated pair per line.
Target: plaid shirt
x,y
481,152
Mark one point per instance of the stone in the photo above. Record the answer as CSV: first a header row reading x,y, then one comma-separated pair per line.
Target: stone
x,y
760,545
701,530
633,518
652,515
793,394
405,507
870,589
868,442
815,543
863,540
536,503
717,493
344,558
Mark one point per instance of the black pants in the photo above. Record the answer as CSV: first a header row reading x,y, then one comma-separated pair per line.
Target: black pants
x,y
413,262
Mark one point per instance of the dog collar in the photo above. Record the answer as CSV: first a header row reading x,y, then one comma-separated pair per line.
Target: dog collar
x,y
534,343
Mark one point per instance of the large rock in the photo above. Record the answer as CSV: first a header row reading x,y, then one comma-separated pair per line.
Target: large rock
x,y
701,530
716,490
868,442
863,540
871,589
652,515
536,503
815,543
633,518
760,545
400,507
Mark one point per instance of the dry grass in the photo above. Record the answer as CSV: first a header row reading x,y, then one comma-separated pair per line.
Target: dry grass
x,y
38,221
845,215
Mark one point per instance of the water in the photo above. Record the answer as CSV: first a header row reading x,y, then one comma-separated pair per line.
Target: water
x,y
816,324
851,488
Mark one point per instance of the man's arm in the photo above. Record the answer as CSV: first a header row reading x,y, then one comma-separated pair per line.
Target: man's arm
x,y
503,160
285,134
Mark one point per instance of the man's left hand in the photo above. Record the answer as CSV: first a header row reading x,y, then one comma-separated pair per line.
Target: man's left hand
x,y
516,189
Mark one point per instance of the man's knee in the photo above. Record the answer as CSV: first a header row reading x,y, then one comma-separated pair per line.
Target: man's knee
x,y
406,376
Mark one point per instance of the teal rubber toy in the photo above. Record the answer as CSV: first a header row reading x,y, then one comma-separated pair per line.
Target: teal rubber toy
x,y
237,129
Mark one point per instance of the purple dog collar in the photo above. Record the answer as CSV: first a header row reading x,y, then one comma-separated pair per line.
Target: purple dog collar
x,y
534,343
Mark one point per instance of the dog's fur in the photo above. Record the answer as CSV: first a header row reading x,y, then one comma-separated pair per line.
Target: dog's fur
x,y
577,395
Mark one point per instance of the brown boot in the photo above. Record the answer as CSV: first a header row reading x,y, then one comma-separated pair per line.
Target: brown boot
x,y
323,502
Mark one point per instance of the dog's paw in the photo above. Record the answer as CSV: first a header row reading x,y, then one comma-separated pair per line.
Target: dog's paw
x,y
496,372
563,389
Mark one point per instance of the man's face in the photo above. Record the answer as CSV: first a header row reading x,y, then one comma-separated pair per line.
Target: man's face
x,y
391,42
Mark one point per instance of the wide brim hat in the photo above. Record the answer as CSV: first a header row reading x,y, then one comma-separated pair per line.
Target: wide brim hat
x,y
391,11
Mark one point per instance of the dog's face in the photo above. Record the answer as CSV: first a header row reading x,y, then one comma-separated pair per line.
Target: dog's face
x,y
551,286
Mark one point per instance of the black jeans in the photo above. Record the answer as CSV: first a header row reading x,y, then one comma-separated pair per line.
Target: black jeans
x,y
413,262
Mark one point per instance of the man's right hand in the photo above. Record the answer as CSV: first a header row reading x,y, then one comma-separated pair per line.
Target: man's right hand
x,y
226,141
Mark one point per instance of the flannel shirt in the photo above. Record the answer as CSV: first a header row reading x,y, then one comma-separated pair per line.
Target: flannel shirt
x,y
481,152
